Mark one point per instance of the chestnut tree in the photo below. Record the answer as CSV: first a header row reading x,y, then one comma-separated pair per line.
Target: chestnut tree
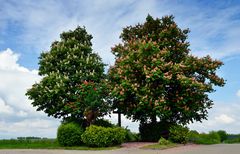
x,y
73,80
156,77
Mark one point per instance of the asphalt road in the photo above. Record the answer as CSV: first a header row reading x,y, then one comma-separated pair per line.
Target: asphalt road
x,y
189,149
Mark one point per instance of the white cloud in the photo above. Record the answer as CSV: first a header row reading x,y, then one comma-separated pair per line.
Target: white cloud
x,y
22,114
5,109
8,61
238,93
225,119
29,127
17,116
223,116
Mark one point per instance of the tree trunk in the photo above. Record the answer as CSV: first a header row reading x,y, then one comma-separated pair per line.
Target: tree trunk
x,y
153,119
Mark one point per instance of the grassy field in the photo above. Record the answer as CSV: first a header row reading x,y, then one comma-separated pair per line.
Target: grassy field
x,y
42,144
28,144
161,147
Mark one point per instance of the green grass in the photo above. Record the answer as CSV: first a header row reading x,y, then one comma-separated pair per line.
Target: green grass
x,y
28,144
161,147
43,144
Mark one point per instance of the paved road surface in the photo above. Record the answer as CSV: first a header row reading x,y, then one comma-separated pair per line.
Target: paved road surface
x,y
189,149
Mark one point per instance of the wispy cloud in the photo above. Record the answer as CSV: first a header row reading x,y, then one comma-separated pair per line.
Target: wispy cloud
x,y
214,31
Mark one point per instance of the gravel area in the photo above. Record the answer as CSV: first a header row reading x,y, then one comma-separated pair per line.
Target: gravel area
x,y
188,149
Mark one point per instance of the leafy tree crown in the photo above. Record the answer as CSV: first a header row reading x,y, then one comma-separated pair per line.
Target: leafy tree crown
x,y
156,76
69,63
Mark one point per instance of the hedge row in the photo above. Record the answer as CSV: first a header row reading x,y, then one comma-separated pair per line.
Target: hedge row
x,y
97,136
72,134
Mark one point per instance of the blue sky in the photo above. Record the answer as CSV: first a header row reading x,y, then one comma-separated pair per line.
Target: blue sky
x,y
28,27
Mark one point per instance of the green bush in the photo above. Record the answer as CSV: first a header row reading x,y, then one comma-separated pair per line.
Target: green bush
x,y
69,134
98,136
131,137
178,134
163,141
215,136
152,132
103,123
232,140
211,138
223,135
193,136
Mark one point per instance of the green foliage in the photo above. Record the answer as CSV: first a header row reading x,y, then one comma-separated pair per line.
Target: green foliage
x,y
65,69
179,134
69,134
90,100
193,132
193,136
103,123
97,136
223,135
131,137
82,122
151,132
211,138
163,141
214,136
232,140
156,76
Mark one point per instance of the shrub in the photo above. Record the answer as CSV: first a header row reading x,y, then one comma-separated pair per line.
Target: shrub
x,y
214,136
193,136
151,132
211,138
103,123
69,134
178,134
163,141
131,137
98,136
232,140
119,135
223,135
